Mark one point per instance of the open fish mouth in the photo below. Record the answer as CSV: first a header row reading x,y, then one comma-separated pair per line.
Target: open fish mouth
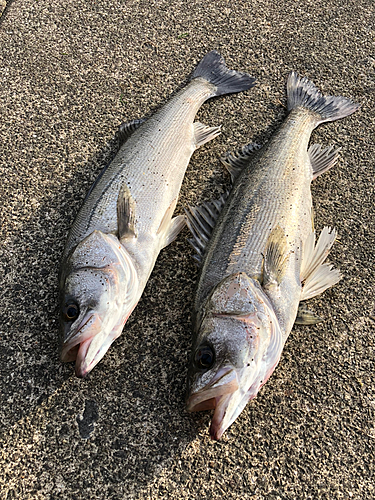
x,y
84,346
86,353
215,396
89,354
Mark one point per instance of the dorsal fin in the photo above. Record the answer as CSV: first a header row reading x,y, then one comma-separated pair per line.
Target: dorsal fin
x,y
234,162
322,159
125,130
201,221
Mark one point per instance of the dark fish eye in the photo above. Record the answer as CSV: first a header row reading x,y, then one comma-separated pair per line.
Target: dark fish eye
x,y
204,357
70,311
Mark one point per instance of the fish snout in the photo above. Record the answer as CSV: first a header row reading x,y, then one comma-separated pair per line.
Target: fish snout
x,y
89,327
225,382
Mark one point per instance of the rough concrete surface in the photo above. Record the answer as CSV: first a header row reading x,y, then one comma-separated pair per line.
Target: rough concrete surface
x,y
70,73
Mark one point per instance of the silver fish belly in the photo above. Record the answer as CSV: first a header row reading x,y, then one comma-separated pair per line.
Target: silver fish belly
x,y
126,218
260,260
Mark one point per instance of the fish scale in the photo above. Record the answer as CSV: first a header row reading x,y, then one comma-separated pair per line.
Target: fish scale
x,y
251,206
144,164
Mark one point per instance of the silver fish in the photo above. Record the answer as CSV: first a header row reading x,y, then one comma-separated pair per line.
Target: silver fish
x,y
126,218
259,258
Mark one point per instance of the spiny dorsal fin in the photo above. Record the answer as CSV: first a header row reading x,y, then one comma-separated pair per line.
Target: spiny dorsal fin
x,y
125,130
316,276
275,258
201,221
322,159
203,133
234,162
126,214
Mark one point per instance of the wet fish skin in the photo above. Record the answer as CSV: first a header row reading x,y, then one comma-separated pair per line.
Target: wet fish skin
x,y
126,218
261,260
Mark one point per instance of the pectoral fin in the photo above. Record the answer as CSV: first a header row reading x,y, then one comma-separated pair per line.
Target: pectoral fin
x,y
126,214
275,258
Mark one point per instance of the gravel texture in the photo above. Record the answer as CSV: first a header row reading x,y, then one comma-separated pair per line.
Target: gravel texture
x,y
70,73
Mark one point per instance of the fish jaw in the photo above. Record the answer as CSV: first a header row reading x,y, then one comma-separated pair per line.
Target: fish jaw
x,y
229,395
216,396
224,382
92,350
229,407
90,343
87,330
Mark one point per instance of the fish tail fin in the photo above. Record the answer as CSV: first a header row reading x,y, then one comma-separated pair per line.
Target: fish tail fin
x,y
303,93
227,81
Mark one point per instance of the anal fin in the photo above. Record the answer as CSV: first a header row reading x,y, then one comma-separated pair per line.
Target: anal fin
x,y
322,159
203,133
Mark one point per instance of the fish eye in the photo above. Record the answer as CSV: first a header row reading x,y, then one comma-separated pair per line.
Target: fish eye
x,y
70,311
204,357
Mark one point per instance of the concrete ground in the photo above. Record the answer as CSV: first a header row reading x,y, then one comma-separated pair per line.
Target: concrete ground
x,y
70,73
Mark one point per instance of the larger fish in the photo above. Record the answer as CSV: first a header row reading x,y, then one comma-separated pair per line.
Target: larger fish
x,y
260,261
126,218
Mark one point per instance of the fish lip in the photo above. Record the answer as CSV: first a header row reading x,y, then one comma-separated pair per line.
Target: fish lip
x,y
218,426
225,383
82,368
67,351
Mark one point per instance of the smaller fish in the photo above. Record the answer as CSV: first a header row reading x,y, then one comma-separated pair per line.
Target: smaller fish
x,y
259,258
126,218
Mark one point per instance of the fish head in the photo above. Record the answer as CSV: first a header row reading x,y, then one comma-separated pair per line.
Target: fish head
x,y
99,290
238,343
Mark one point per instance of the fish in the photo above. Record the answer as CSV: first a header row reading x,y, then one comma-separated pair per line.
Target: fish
x,y
126,218
259,258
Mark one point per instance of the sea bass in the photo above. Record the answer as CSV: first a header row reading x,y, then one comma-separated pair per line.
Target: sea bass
x,y
126,218
259,258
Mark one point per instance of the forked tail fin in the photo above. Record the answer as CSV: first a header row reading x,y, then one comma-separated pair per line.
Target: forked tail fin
x,y
227,81
302,92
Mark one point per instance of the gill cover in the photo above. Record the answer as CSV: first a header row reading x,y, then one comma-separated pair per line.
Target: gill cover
x,y
100,286
240,327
